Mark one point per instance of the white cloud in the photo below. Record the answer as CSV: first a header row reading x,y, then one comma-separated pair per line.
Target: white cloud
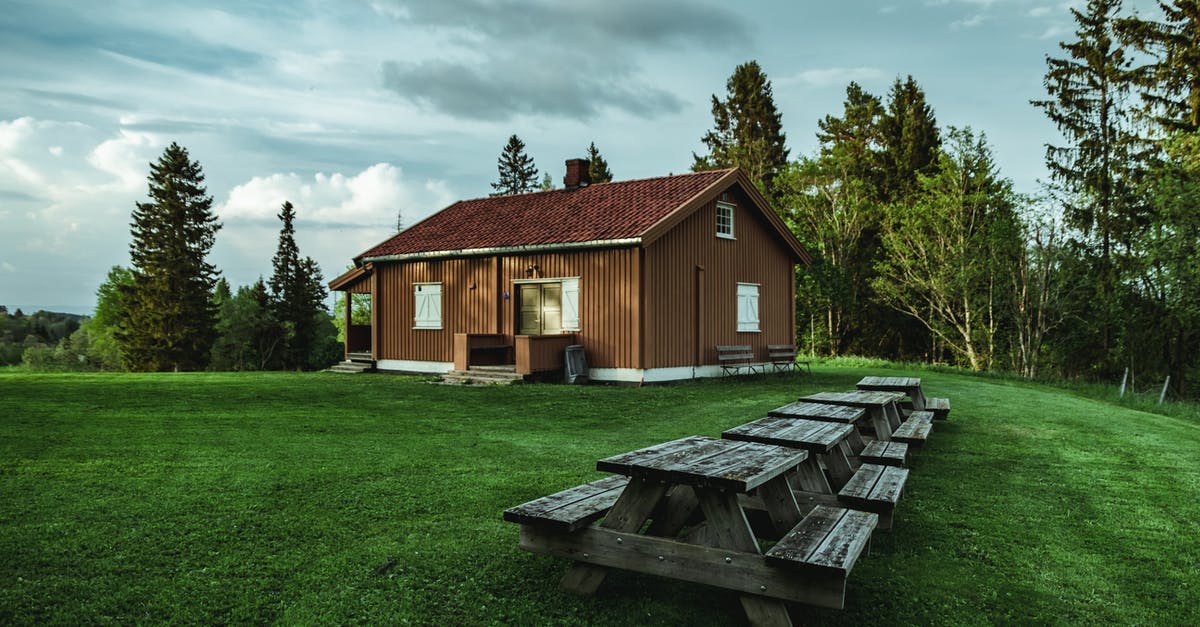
x,y
7,268
370,198
125,157
968,22
1039,11
825,77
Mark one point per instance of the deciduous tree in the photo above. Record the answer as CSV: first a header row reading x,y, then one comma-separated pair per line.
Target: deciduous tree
x,y
597,166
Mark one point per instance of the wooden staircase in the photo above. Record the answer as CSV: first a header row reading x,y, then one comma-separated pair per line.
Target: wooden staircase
x,y
484,375
357,363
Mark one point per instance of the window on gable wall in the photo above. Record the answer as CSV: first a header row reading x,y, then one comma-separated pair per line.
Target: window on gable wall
x,y
747,307
428,306
724,220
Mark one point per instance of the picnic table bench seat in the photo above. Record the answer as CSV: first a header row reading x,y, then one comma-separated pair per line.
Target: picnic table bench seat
x,y
892,453
939,406
875,488
915,430
827,541
733,358
571,509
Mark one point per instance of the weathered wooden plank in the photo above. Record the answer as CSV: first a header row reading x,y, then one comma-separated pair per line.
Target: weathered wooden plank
x,y
813,436
570,509
939,406
913,432
857,398
673,512
743,572
890,484
819,411
780,503
922,416
858,489
885,453
741,466
839,551
808,477
839,467
794,549
627,463
628,514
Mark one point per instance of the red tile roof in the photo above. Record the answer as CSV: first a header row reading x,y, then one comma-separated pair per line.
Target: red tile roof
x,y
604,211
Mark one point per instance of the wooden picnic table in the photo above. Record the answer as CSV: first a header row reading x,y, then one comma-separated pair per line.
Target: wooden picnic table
x,y
801,410
911,386
882,407
692,490
825,442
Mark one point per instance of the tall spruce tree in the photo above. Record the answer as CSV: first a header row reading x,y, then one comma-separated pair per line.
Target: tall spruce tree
x,y
297,295
170,317
747,129
1095,171
597,166
910,139
1171,83
517,172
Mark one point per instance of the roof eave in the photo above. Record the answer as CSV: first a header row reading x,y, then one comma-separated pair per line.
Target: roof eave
x,y
506,250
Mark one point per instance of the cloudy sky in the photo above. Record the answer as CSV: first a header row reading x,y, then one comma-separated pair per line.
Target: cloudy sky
x,y
358,109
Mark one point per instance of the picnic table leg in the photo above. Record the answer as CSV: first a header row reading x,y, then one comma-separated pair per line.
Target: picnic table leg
x,y
781,504
729,529
628,514
855,441
892,411
839,467
810,478
918,398
880,422
673,512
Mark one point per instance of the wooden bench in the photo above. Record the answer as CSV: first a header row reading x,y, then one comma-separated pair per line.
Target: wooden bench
x,y
875,488
734,358
783,357
827,541
892,453
939,406
915,430
570,510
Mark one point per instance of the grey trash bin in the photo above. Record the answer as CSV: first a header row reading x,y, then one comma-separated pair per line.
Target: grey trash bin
x,y
575,369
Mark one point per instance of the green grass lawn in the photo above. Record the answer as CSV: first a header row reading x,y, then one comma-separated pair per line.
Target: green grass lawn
x,y
318,498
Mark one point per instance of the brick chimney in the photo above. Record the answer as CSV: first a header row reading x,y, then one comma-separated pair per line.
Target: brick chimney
x,y
578,174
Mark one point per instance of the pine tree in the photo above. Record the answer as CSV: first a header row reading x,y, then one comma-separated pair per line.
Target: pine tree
x,y
597,167
1095,171
1171,84
170,318
517,172
910,139
747,129
547,183
297,294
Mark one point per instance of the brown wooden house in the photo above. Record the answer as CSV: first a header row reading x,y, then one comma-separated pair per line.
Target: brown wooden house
x,y
648,275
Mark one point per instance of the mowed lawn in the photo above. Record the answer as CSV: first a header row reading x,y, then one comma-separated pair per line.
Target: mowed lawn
x,y
319,498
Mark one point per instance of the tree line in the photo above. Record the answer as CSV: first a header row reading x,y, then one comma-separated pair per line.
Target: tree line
x,y
925,252
171,311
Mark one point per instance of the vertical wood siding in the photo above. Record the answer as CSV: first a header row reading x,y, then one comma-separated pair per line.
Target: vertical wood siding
x,y
472,302
690,310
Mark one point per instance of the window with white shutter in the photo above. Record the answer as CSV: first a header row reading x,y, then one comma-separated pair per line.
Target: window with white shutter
x,y
747,307
570,304
428,306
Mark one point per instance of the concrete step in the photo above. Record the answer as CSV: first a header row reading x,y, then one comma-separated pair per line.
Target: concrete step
x,y
475,376
351,367
360,358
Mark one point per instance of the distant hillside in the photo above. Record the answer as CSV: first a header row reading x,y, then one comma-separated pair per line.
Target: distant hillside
x,y
20,330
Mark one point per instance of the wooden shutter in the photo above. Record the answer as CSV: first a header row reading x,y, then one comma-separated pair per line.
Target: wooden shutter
x,y
428,306
570,304
747,307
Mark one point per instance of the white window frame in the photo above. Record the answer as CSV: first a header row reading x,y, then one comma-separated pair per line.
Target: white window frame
x,y
565,283
429,323
744,323
725,207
